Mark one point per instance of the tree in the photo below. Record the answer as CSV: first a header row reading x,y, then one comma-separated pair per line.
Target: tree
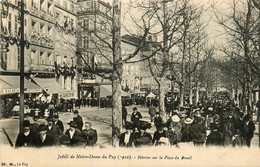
x,y
240,27
101,34
160,23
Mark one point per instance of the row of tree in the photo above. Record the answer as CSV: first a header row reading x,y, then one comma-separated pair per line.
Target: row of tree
x,y
172,43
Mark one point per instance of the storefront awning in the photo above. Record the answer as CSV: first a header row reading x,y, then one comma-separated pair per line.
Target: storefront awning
x,y
105,90
49,85
11,85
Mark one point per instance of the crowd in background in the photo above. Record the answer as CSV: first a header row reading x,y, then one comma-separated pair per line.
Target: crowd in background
x,y
212,123
216,122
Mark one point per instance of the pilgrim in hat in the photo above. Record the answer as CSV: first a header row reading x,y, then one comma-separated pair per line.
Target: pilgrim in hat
x,y
26,137
127,139
73,133
58,122
44,138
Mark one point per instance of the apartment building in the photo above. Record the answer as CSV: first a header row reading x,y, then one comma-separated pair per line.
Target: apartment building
x,y
50,50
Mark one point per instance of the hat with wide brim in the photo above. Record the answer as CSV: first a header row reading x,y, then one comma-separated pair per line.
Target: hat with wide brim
x,y
26,123
73,124
188,120
163,140
49,119
175,118
183,115
210,108
42,128
75,111
134,108
197,114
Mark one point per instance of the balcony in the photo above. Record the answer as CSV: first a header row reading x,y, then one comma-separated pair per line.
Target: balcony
x,y
34,10
42,67
41,39
43,13
49,17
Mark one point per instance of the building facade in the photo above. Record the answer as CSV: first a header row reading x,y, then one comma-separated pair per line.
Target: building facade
x,y
47,25
94,38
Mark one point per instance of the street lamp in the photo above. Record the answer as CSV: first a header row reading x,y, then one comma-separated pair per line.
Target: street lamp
x,y
19,41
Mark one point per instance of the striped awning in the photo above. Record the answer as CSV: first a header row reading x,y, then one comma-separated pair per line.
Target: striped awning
x,y
11,85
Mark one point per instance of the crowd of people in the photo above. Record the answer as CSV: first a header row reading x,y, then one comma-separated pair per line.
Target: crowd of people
x,y
51,132
222,125
210,123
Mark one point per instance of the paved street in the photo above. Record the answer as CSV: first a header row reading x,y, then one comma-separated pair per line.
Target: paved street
x,y
100,119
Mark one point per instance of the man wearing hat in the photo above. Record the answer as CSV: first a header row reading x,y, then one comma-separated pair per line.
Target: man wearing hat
x,y
227,128
58,122
53,130
43,138
35,125
144,138
78,119
249,128
186,130
127,138
175,127
74,134
135,118
152,112
199,132
215,138
238,140
26,138
89,135
158,134
158,120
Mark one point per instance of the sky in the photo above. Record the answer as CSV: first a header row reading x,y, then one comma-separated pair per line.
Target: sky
x,y
215,31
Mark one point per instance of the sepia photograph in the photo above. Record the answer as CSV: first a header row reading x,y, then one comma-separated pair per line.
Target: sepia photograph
x,y
129,83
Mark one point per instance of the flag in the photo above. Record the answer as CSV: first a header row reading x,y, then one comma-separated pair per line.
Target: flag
x,y
3,63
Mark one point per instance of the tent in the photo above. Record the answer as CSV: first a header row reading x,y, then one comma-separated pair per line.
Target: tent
x,y
105,90
151,95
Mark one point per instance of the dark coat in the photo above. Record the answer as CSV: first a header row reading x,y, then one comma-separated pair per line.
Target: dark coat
x,y
76,138
136,116
239,141
152,111
215,138
35,128
49,141
25,141
144,139
130,143
124,113
90,137
79,122
198,132
227,127
60,124
249,130
186,133
55,132
157,135
158,121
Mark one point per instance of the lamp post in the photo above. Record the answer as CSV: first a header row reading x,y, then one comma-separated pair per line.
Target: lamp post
x,y
19,41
